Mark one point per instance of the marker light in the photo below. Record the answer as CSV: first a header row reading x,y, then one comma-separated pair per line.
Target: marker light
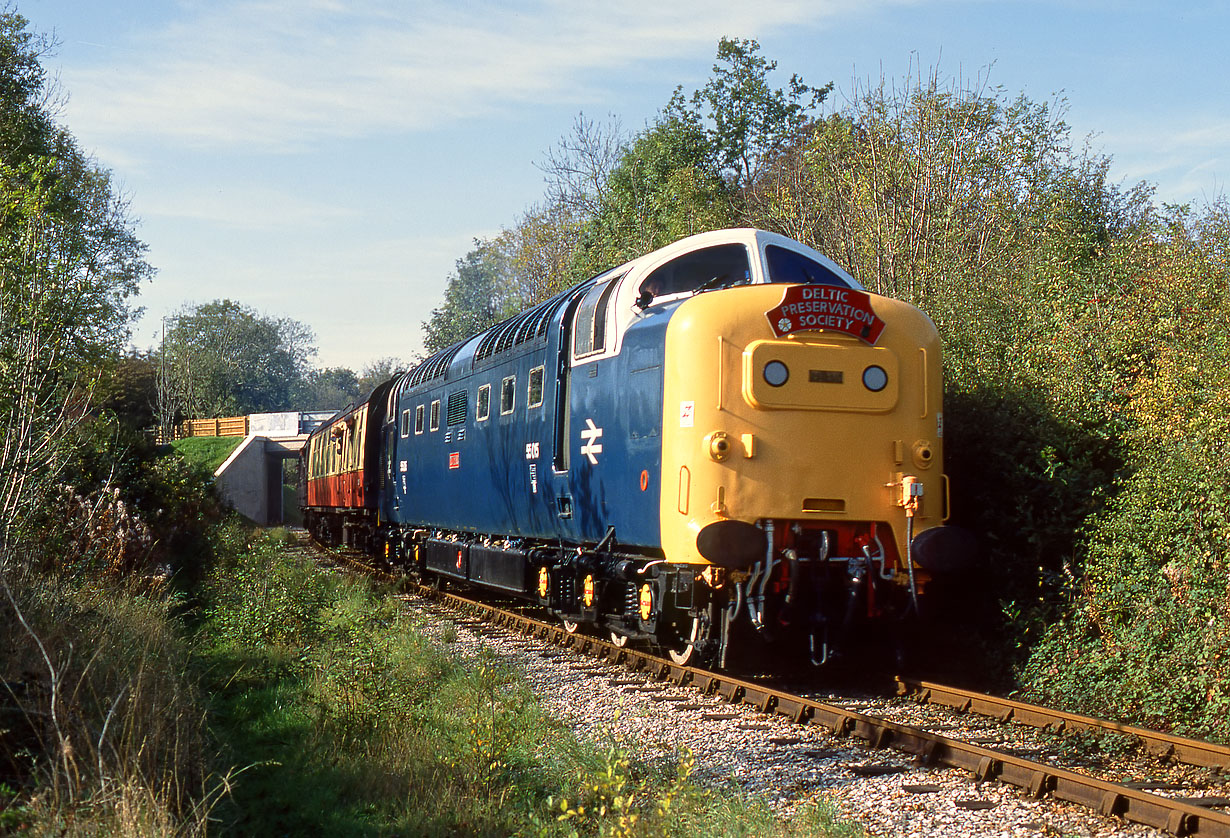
x,y
875,378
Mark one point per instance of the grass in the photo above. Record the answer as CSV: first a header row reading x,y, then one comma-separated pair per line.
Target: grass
x,y
102,722
284,699
208,452
348,721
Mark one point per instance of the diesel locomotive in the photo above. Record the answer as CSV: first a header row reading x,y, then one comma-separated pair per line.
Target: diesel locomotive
x,y
727,436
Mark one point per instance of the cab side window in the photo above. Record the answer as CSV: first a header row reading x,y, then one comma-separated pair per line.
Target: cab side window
x,y
589,336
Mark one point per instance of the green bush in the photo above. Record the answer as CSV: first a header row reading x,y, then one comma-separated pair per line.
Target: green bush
x,y
1146,636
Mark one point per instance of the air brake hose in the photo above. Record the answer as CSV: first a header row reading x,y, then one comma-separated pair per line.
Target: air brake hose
x,y
909,562
911,493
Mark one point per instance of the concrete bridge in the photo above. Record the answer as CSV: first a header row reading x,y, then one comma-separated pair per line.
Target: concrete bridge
x,y
251,479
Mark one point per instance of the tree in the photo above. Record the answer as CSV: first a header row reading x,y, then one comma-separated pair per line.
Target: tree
x,y
665,187
541,251
223,358
128,390
478,295
748,122
69,262
375,373
327,389
578,167
609,201
689,171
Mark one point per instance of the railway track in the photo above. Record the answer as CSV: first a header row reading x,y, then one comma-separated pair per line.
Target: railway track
x,y
1160,745
1135,802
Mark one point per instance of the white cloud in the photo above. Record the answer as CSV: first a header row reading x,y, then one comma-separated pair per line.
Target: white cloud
x,y
275,75
1185,158
246,207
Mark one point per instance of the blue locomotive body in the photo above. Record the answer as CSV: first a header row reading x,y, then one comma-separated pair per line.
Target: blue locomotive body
x,y
726,423
494,445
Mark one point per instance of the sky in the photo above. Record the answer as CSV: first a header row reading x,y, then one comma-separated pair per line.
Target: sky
x,y
330,160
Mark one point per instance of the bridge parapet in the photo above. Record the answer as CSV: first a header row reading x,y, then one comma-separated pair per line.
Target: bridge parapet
x,y
289,423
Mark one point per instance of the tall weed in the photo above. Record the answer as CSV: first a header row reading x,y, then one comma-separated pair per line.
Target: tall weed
x,y
104,724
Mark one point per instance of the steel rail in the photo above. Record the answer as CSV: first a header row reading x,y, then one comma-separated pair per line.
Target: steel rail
x,y
1176,816
1161,745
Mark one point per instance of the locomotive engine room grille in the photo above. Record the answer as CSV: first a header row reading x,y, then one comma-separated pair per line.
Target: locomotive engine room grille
x,y
457,407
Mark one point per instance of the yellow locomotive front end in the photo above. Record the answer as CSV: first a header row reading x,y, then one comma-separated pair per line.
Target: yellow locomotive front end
x,y
802,453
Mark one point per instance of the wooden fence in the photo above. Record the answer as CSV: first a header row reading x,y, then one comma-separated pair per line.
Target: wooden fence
x,y
224,426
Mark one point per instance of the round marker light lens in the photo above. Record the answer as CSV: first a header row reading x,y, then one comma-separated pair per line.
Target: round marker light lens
x,y
875,379
776,373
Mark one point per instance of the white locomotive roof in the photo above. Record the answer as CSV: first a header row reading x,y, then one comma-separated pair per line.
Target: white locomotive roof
x,y
624,309
755,240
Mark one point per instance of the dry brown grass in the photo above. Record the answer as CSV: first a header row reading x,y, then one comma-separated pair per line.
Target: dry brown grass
x,y
105,730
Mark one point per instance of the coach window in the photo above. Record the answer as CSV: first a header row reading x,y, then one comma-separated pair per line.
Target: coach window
x,y
702,270
418,419
405,422
435,415
508,395
535,389
483,409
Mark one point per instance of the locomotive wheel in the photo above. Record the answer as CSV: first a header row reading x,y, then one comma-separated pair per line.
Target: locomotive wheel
x,y
686,652
684,657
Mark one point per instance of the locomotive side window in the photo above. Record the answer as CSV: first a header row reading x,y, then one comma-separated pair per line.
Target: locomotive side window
x,y
508,395
590,331
788,266
534,396
702,270
405,422
435,415
483,409
418,419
